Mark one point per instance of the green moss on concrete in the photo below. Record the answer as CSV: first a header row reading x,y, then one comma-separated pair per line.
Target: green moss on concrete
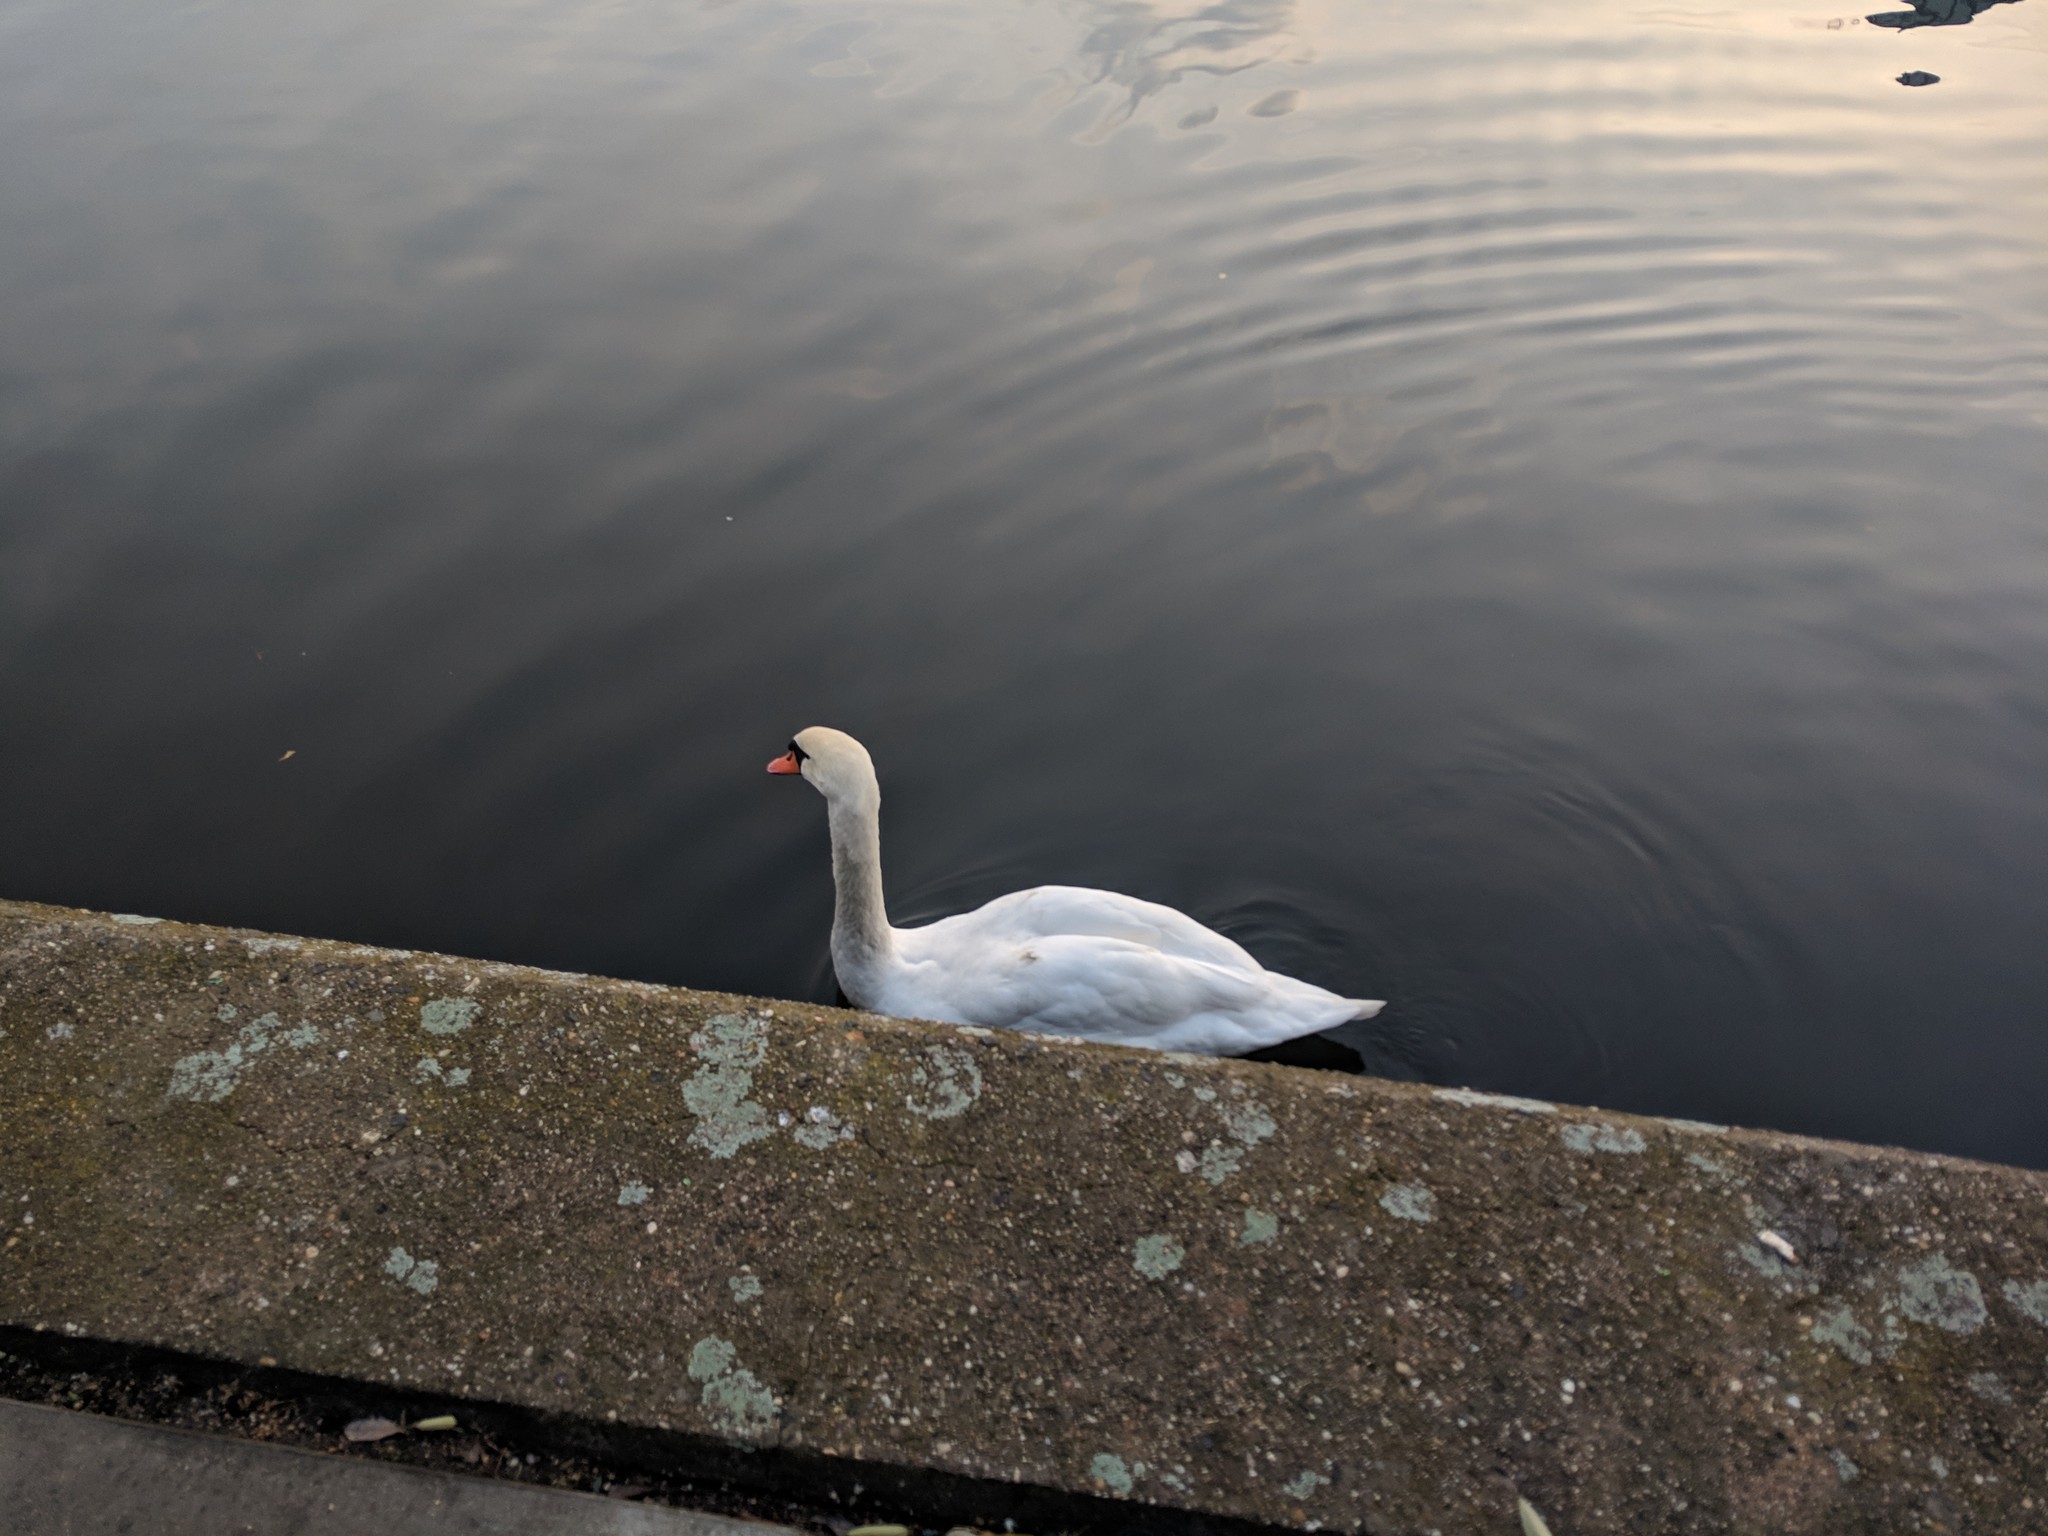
x,y
1321,1302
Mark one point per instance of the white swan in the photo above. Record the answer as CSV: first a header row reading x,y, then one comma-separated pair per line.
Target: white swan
x,y
1058,959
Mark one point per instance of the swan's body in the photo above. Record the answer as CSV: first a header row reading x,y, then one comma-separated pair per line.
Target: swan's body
x,y
1058,959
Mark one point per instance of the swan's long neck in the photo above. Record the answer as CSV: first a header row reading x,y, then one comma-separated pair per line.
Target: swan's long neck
x,y
861,939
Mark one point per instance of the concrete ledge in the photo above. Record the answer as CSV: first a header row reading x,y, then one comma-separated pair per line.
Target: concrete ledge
x,y
74,1474
1169,1289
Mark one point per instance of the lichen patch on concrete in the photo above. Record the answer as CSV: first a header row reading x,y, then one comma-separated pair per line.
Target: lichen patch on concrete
x,y
730,1045
430,1070
1259,1227
730,1394
1157,1256
821,1129
449,1015
944,1084
2029,1298
422,1275
207,1077
1410,1202
1934,1291
1304,1484
1602,1138
1248,1121
1218,1162
1113,1472
1988,1385
1834,1324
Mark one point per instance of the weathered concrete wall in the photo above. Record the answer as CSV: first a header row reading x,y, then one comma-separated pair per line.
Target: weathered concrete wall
x,y
1221,1286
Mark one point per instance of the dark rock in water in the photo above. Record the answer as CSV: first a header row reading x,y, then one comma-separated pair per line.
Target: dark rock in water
x,y
1919,77
1934,13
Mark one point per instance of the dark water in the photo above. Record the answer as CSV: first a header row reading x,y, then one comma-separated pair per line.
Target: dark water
x,y
1537,513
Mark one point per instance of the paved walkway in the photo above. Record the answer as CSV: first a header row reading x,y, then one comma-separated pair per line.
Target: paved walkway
x,y
76,1474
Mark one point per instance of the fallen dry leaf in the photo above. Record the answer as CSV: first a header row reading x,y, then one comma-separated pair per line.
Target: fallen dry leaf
x,y
371,1429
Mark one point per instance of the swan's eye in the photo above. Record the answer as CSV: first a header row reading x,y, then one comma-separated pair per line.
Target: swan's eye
x,y
798,752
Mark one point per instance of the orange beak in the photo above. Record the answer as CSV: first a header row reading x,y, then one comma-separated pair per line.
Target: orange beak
x,y
786,763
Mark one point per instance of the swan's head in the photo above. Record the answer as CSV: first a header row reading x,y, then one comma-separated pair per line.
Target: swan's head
x,y
838,767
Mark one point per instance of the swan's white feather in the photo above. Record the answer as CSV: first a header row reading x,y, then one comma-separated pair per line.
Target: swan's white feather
x,y
1122,991
1046,910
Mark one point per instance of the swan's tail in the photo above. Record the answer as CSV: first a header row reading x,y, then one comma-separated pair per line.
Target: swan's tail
x,y
1366,1007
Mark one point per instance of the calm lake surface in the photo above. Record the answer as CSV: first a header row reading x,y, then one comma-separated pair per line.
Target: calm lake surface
x,y
1536,513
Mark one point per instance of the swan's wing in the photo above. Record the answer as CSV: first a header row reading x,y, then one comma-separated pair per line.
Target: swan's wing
x,y
1049,911
1117,991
